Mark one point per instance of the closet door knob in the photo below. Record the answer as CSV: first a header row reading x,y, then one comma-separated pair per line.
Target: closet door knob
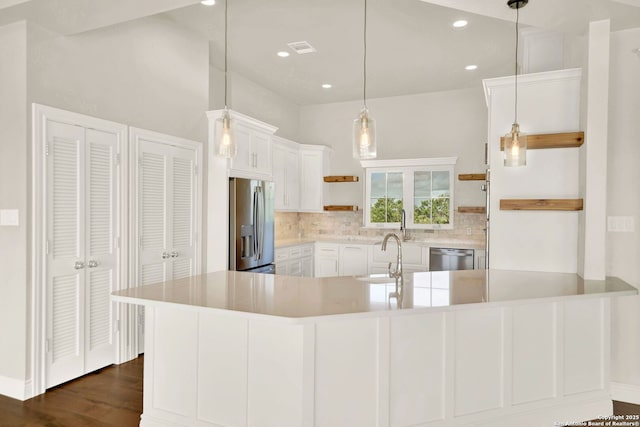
x,y
79,265
165,255
174,254
92,263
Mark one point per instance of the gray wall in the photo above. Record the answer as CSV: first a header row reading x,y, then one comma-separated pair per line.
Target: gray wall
x,y
439,124
14,172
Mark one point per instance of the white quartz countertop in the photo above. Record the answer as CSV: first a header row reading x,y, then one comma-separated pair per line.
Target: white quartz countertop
x,y
283,243
300,298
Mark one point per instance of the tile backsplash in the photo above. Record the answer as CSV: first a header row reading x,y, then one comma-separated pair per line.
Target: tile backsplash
x,y
468,228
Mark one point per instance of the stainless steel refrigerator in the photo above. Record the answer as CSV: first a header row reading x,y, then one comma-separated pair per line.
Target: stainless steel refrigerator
x,y
251,234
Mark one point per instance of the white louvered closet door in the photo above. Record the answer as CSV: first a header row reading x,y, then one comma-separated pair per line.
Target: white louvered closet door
x,y
66,257
82,259
182,212
101,247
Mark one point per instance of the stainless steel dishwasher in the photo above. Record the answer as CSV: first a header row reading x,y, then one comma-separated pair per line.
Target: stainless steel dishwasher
x,y
447,259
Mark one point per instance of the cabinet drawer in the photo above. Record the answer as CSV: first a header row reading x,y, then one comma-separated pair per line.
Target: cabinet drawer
x,y
307,250
295,252
325,249
411,254
281,254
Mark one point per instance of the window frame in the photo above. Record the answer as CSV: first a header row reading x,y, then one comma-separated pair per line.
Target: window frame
x,y
408,167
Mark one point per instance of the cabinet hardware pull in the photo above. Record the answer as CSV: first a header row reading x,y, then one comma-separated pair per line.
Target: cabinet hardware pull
x,y
92,263
79,265
174,254
165,255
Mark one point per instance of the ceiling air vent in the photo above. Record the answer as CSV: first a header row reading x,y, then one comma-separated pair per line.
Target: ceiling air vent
x,y
301,47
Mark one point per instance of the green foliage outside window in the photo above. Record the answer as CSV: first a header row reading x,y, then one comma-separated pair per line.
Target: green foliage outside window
x,y
432,211
386,210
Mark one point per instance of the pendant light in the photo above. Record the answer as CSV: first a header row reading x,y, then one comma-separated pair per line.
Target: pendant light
x,y
226,145
515,143
364,127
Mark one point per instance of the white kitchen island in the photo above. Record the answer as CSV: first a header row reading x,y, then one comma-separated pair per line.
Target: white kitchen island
x,y
465,348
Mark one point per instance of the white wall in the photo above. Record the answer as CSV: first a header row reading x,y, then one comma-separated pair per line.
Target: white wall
x,y
14,170
439,124
623,199
147,73
534,240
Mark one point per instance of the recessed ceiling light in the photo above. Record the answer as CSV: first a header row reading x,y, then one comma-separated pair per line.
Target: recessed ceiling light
x,y
283,54
208,2
470,67
460,23
326,86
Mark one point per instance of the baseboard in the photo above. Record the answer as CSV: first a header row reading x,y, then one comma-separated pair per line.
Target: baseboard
x,y
16,389
622,392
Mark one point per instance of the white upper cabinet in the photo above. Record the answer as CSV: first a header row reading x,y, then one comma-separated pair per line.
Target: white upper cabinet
x,y
314,166
253,139
286,174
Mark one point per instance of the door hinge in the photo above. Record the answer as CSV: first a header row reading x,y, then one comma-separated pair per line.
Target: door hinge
x,y
195,170
116,242
117,326
140,241
46,247
118,159
47,346
46,149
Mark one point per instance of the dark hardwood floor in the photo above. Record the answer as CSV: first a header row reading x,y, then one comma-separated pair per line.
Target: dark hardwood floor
x,y
109,397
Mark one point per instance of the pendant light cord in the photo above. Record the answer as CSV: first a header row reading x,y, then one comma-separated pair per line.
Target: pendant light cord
x,y
364,91
515,120
226,3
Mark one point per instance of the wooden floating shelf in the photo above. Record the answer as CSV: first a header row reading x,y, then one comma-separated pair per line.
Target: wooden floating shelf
x,y
472,209
341,208
552,140
341,178
472,176
541,204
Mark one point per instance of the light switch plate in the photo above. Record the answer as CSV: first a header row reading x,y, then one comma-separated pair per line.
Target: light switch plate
x,y
9,217
621,224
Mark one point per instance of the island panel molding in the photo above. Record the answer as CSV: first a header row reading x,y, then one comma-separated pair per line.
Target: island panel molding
x,y
552,140
541,204
472,176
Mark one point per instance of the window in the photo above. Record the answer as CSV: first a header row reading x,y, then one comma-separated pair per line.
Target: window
x,y
423,188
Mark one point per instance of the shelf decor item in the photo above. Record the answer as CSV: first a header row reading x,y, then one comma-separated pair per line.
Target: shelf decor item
x,y
364,127
515,153
225,141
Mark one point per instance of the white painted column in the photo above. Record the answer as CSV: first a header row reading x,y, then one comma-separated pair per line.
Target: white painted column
x,y
593,219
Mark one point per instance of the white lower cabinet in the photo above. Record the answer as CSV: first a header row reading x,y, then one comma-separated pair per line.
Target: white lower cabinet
x,y
335,259
354,260
327,260
415,258
295,260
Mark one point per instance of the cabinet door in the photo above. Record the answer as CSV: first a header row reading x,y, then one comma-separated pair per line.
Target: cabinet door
x,y
311,180
244,159
307,267
326,266
292,178
353,260
279,176
261,148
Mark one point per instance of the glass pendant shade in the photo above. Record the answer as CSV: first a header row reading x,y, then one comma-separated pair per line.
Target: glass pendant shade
x,y
364,136
515,147
225,141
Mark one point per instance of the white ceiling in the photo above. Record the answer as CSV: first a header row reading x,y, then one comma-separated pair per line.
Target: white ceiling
x,y
412,47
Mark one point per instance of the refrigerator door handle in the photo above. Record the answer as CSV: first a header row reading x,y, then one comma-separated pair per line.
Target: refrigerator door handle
x,y
255,223
261,221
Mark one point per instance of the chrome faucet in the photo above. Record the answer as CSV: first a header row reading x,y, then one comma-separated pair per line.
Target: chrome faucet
x,y
397,273
403,224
